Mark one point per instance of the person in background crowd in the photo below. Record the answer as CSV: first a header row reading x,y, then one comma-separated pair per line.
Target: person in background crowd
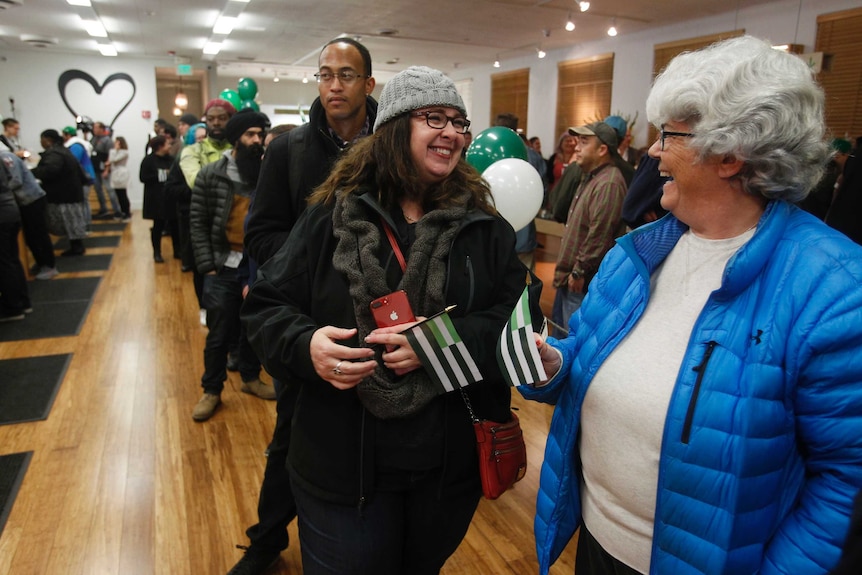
x,y
184,124
14,296
9,138
81,150
153,174
293,165
193,157
560,158
32,203
536,144
819,200
708,398
62,179
220,200
400,481
101,148
117,167
845,213
594,218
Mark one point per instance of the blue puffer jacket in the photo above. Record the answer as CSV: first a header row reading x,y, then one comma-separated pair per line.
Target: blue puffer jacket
x,y
762,447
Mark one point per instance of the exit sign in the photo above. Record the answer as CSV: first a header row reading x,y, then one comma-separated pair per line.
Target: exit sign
x,y
184,69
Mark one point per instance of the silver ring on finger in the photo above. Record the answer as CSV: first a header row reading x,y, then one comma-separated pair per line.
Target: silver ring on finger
x,y
337,370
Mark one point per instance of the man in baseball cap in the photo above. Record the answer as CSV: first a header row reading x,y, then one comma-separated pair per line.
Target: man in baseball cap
x,y
594,219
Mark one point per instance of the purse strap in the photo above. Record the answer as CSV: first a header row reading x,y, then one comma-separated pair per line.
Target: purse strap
x,y
395,247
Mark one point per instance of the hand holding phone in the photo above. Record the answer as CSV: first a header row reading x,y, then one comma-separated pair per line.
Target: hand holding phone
x,y
392,309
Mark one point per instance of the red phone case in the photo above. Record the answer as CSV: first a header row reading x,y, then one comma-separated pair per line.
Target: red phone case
x,y
392,309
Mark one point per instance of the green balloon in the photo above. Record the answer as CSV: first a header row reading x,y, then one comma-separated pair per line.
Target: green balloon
x,y
249,104
231,96
247,88
494,144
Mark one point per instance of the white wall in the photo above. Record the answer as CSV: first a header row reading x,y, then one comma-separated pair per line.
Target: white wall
x,y
32,78
633,55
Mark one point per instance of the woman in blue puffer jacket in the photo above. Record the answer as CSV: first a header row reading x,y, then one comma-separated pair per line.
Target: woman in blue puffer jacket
x,y
709,397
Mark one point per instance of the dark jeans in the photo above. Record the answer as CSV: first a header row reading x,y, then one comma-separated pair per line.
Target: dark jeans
x,y
14,297
404,529
103,186
566,303
591,559
184,231
222,299
35,224
276,506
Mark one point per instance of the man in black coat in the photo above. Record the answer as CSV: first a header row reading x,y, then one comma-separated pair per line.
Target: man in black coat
x,y
293,166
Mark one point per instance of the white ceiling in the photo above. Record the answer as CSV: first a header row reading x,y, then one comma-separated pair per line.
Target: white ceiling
x,y
285,36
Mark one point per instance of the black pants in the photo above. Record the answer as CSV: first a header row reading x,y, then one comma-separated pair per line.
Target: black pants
x,y
406,528
14,297
123,199
276,506
160,226
35,224
592,559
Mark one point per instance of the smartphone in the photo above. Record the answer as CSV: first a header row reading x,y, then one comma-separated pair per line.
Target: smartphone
x,y
392,309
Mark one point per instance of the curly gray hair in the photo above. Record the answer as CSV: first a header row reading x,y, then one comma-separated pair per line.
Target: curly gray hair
x,y
745,99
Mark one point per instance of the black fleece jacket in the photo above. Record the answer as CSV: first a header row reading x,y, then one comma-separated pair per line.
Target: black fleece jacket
x,y
333,441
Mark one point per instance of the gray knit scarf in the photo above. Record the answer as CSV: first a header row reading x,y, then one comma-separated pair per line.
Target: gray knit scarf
x,y
384,394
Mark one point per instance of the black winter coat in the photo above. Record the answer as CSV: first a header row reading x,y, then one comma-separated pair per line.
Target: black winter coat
x,y
293,165
61,176
333,437
154,173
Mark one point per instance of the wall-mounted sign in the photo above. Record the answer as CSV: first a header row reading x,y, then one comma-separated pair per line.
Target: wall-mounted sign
x,y
184,69
814,61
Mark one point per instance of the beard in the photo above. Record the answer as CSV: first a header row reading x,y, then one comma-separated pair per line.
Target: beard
x,y
248,161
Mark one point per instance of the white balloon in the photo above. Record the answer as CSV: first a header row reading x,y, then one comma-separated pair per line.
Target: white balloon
x,y
517,190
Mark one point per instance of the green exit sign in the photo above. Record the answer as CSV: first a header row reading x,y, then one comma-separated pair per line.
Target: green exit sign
x,y
184,69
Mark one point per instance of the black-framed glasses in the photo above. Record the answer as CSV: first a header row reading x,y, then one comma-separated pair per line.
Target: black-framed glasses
x,y
438,121
344,76
665,133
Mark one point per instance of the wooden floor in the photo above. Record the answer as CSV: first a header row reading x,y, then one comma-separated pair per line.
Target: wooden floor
x,y
123,481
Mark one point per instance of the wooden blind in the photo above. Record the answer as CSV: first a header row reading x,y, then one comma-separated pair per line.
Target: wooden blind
x,y
583,91
510,95
839,37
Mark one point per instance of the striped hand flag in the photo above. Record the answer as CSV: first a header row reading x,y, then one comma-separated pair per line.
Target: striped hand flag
x,y
442,353
517,355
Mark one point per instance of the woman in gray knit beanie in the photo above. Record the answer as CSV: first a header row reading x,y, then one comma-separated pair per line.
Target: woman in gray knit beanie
x,y
383,460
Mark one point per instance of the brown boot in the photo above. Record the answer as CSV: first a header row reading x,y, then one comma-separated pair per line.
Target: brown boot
x,y
258,388
206,406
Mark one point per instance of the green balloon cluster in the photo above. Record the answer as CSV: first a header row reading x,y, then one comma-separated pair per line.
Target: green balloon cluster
x,y
243,96
495,143
231,96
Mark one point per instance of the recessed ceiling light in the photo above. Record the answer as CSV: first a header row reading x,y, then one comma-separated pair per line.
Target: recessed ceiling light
x,y
78,2
212,47
107,50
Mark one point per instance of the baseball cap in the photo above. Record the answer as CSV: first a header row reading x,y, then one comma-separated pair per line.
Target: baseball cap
x,y
605,134
70,130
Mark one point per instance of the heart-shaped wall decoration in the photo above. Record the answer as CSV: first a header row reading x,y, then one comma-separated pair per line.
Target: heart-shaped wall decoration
x,y
70,75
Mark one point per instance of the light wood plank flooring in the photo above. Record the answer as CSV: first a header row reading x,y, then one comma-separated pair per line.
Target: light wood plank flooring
x,y
123,481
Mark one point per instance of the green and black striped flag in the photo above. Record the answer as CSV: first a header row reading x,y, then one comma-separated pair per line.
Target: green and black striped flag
x,y
442,353
517,355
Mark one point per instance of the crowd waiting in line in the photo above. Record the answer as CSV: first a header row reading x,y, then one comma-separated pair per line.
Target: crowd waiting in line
x,y
705,363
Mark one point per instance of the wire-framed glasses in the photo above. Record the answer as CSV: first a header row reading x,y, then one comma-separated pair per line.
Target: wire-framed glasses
x,y
344,76
438,121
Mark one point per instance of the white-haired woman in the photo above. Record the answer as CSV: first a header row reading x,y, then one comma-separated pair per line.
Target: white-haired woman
x,y
709,396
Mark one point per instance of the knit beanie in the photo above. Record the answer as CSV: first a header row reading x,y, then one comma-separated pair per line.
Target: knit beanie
x,y
228,107
414,88
242,121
